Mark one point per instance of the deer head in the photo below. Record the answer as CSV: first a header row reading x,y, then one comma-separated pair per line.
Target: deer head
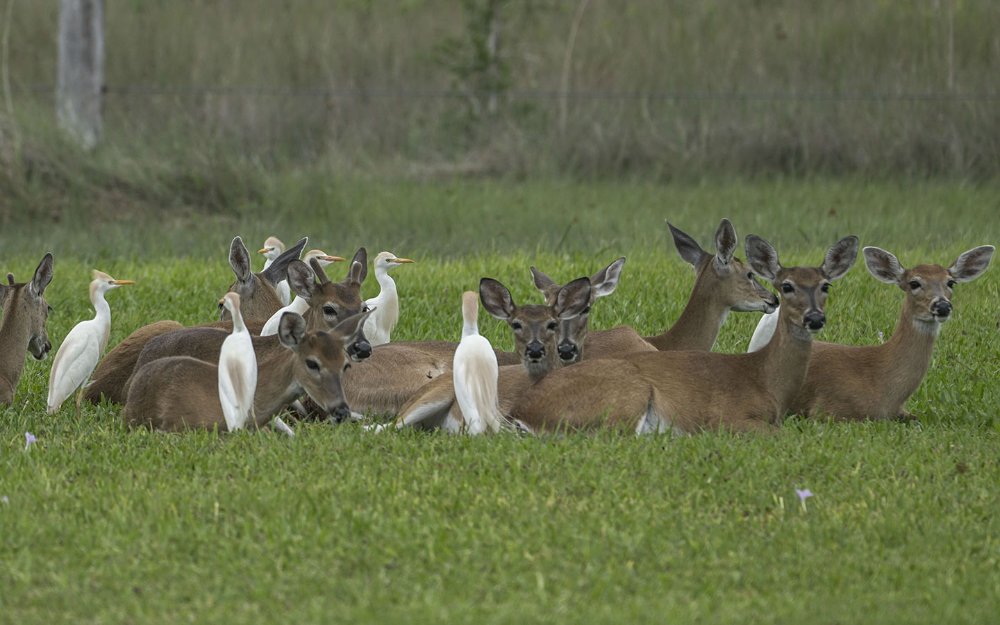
x,y
536,327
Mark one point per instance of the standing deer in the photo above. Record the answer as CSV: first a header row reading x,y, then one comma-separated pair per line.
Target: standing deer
x,y
873,382
181,392
689,391
536,329
23,326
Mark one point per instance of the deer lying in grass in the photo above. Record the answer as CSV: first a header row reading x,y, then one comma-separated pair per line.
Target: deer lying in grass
x,y
396,372
180,392
536,328
723,284
689,391
23,326
257,294
873,382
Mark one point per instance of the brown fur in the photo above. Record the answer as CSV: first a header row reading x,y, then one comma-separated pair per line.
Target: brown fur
x,y
23,329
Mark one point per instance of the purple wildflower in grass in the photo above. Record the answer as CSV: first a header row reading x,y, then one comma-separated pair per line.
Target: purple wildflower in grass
x,y
881,337
29,440
803,494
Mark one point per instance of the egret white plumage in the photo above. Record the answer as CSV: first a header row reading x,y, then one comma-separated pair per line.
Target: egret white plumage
x,y
299,305
237,370
273,248
379,326
765,329
82,348
475,373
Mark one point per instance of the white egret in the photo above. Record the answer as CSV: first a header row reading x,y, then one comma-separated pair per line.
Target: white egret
x,y
475,373
237,370
299,305
82,348
273,248
380,325
765,329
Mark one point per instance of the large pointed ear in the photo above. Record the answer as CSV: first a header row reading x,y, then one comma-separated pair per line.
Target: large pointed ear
x,y
840,257
43,275
301,279
291,330
970,265
762,257
605,281
542,281
687,247
358,270
883,265
573,298
278,270
725,242
352,328
239,260
496,298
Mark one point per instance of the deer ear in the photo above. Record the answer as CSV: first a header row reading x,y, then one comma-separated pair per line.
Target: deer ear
x,y
687,247
43,275
291,330
301,279
883,265
358,270
762,257
496,298
542,281
239,259
352,328
840,257
605,281
573,298
725,242
970,265
278,270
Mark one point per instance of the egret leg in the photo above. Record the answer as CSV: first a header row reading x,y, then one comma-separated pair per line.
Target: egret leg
x,y
282,427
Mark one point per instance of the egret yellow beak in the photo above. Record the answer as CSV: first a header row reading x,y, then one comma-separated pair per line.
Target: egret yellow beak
x,y
264,250
403,260
123,282
333,259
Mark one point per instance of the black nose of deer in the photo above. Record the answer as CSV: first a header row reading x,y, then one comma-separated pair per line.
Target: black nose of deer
x,y
941,308
567,351
48,346
359,350
815,320
341,413
534,350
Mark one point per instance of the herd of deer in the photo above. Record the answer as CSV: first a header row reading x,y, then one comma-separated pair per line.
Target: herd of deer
x,y
561,376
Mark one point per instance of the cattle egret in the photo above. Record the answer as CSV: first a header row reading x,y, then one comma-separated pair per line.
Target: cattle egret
x,y
380,325
82,348
237,370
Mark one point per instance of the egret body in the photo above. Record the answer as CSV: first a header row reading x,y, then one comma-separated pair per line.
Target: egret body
x,y
475,373
273,248
237,370
380,324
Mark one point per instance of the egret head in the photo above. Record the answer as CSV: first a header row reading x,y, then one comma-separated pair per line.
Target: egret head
x,y
273,247
321,257
386,261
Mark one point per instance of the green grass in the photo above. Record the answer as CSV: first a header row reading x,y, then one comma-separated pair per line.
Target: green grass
x,y
106,525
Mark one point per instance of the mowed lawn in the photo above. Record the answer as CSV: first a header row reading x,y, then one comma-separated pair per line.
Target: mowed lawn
x,y
99,524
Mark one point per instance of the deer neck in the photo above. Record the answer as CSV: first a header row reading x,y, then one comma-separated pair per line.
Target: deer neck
x,y
15,332
907,354
785,361
278,387
698,326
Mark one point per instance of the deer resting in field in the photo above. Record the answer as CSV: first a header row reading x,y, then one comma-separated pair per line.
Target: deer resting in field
x,y
23,327
691,391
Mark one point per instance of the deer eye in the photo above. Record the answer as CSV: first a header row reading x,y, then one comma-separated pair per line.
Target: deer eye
x,y
585,310
329,310
516,325
914,285
787,288
825,288
951,284
312,364
553,325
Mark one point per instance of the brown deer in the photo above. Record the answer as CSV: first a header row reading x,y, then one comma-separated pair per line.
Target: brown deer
x,y
23,326
112,374
723,284
690,391
873,382
397,371
180,392
536,329
329,304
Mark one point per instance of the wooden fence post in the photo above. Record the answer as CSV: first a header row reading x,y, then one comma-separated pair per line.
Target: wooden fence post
x,y
81,69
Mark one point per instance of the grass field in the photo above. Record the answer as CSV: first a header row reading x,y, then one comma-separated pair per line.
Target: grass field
x,y
99,524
